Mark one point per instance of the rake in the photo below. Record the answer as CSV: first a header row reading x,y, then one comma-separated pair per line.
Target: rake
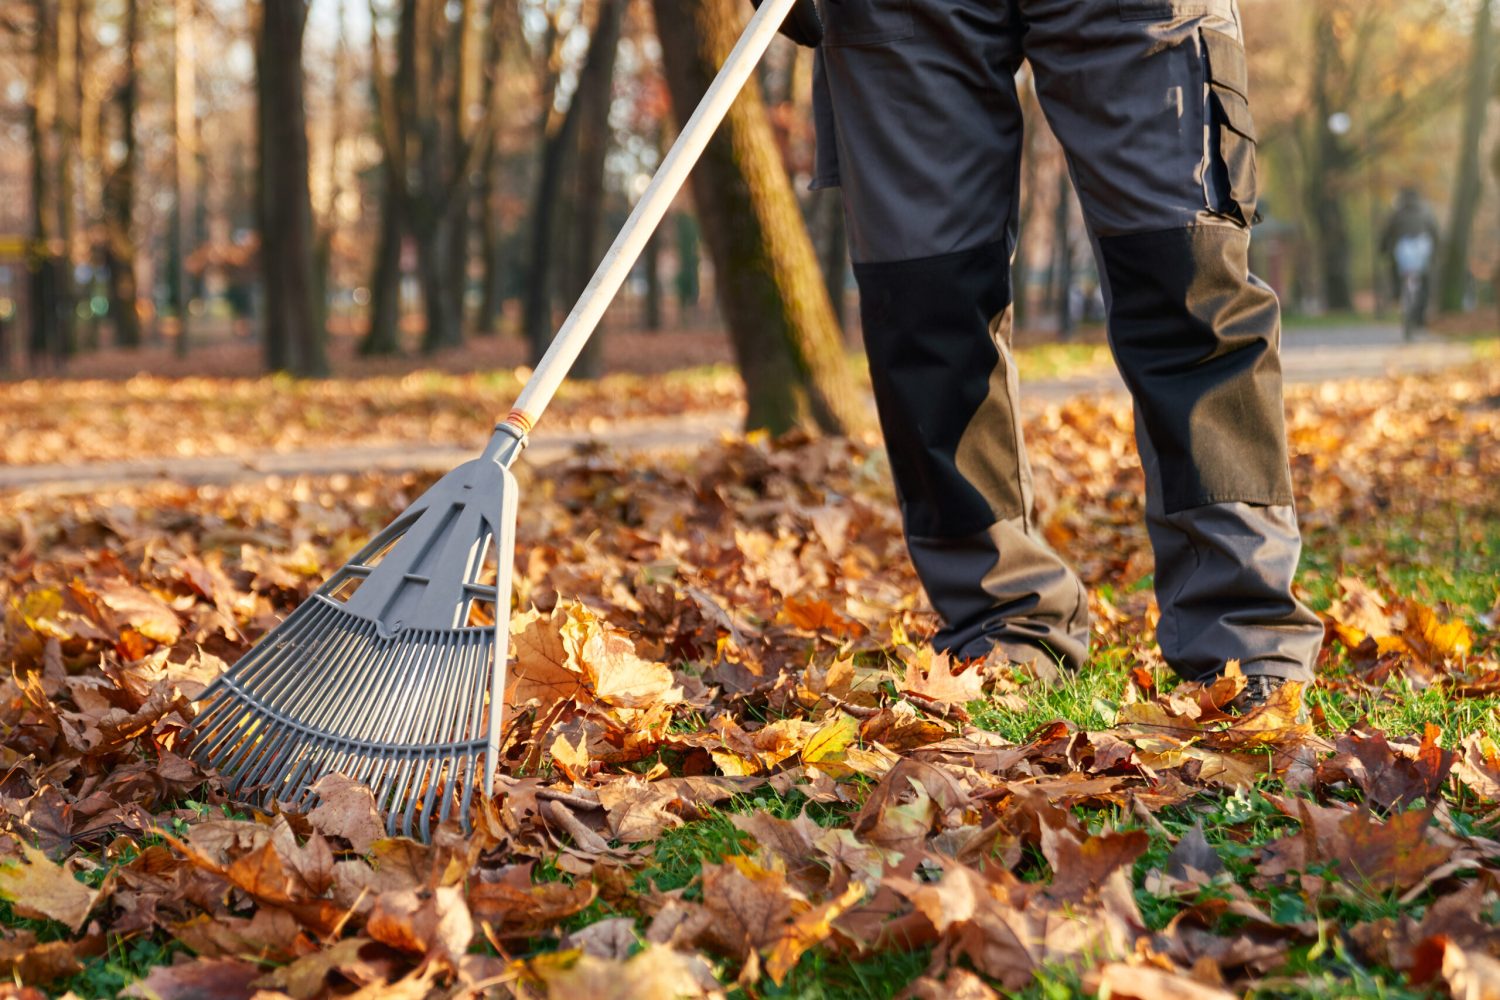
x,y
393,671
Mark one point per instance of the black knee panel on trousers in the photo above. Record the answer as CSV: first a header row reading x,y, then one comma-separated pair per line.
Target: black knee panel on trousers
x,y
934,366
1196,339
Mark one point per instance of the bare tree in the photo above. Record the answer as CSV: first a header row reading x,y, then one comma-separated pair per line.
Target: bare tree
x,y
592,104
119,189
185,161
1454,274
439,117
786,341
294,341
51,301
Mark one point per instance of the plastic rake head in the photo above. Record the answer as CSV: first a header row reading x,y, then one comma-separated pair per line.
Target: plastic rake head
x,y
392,673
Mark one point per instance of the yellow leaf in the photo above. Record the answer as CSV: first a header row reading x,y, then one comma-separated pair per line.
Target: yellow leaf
x,y
40,610
39,888
830,742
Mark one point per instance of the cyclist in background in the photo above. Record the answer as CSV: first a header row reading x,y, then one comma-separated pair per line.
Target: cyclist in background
x,y
1409,244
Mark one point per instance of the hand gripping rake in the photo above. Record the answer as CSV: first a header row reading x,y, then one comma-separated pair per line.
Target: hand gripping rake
x,y
382,674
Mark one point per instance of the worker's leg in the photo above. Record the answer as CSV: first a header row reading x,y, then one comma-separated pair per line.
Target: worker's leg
x,y
1149,100
917,100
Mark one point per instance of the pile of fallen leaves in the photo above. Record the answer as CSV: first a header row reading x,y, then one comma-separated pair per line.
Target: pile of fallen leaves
x,y
736,642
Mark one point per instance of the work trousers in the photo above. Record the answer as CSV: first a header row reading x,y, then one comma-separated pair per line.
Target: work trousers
x,y
919,122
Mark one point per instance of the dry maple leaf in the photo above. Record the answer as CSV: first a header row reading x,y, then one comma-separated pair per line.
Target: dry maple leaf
x,y
1479,767
142,610
638,811
27,960
357,960
936,677
1390,780
346,808
37,887
512,904
806,931
426,922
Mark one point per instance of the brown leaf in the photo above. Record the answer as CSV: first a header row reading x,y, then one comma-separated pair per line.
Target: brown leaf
x,y
143,611
346,808
426,922
39,963
1479,766
513,905
959,984
221,978
1390,780
806,931
356,959
1118,981
637,810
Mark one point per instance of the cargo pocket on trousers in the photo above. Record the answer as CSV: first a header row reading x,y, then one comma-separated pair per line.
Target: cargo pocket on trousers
x,y
866,22
1230,183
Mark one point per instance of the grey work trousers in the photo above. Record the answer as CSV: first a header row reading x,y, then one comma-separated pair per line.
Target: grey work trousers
x,y
919,122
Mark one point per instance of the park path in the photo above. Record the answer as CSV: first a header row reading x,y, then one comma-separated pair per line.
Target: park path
x,y
1309,355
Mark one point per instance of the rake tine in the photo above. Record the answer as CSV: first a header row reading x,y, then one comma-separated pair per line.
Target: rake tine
x,y
351,754
411,723
345,649
251,749
333,705
475,707
225,702
452,728
459,730
348,647
388,702
429,725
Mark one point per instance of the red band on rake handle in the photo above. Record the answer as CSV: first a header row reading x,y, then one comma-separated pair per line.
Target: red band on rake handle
x,y
521,421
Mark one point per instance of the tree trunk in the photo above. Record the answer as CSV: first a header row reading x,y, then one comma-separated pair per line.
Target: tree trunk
x,y
293,341
536,318
119,195
1454,275
786,341
491,249
593,99
440,264
383,337
184,171
689,264
1324,179
651,267
47,304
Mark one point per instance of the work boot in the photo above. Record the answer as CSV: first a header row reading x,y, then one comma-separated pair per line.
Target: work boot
x,y
1258,692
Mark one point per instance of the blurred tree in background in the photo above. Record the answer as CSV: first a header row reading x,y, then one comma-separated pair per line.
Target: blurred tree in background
x,y
317,179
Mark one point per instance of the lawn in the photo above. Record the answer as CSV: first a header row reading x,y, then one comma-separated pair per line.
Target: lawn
x,y
760,783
